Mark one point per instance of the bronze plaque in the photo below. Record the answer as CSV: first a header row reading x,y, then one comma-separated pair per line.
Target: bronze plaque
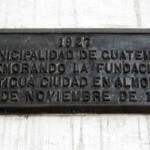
x,y
96,71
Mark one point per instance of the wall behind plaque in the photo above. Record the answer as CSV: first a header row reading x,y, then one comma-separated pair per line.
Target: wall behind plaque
x,y
82,131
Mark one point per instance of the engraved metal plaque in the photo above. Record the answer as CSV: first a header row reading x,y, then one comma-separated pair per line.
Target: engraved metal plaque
x,y
74,71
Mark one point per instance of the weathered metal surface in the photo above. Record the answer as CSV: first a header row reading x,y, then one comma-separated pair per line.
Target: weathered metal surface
x,y
74,71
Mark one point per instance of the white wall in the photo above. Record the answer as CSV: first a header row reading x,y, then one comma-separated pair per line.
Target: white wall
x,y
84,131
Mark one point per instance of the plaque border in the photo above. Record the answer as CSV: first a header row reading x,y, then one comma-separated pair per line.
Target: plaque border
x,y
76,30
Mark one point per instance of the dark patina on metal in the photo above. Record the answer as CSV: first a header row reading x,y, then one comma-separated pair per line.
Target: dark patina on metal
x,y
71,71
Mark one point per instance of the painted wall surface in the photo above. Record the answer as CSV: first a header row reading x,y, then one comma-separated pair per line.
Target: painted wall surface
x,y
82,131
